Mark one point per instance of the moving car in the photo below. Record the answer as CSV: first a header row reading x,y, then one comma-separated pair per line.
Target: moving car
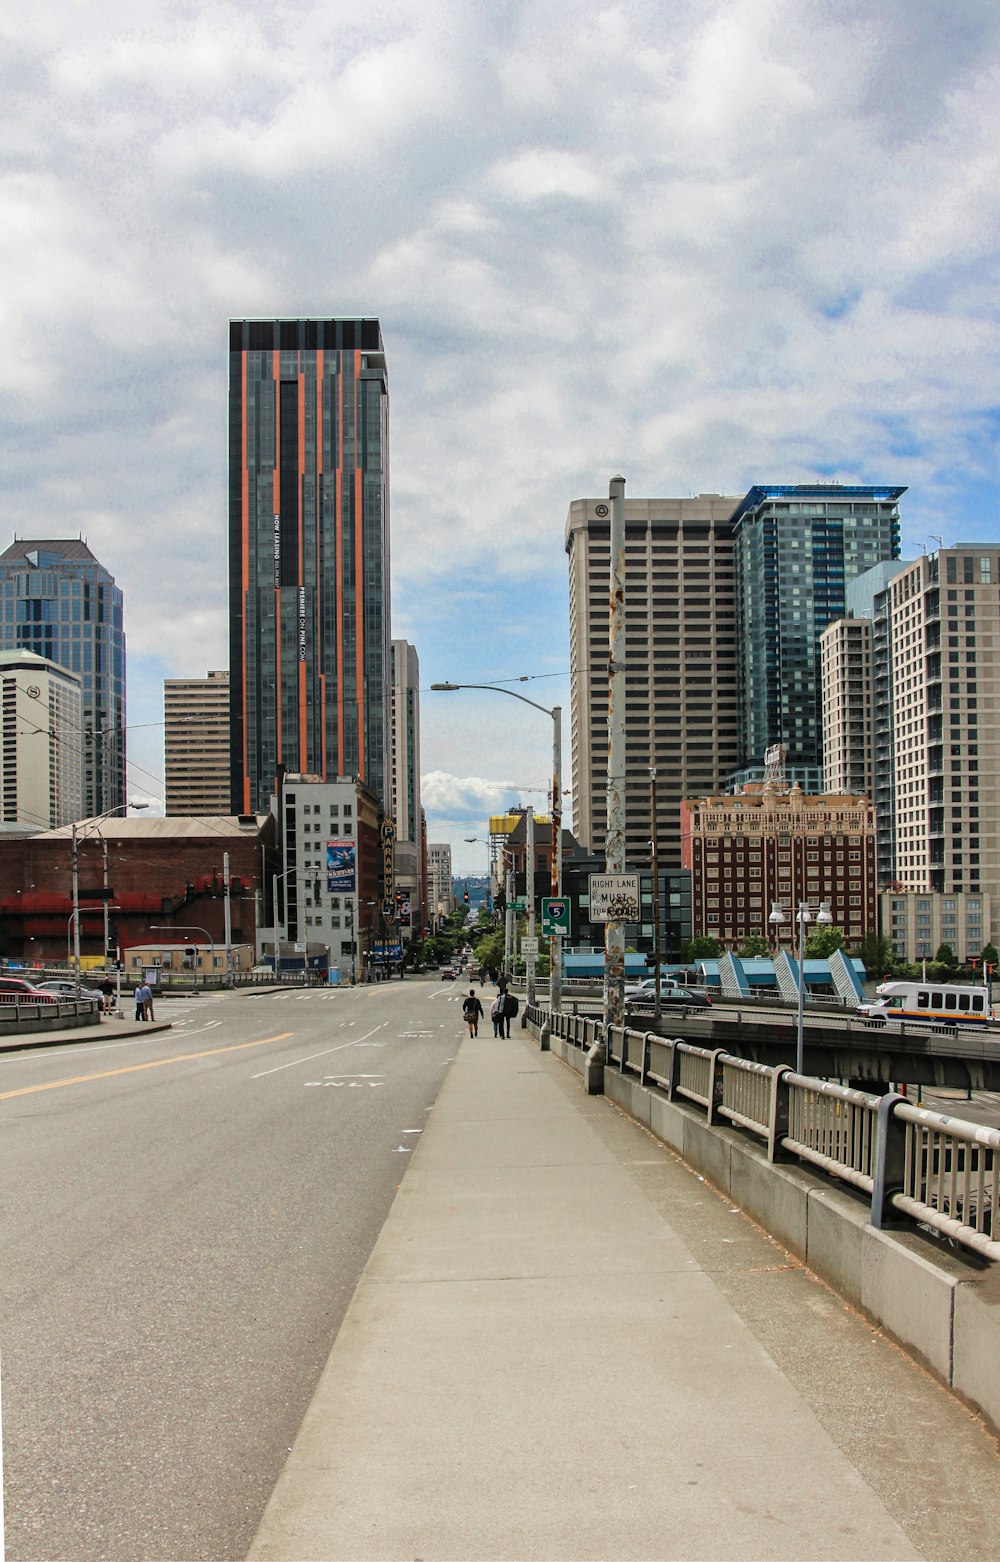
x,y
644,997
14,989
447,974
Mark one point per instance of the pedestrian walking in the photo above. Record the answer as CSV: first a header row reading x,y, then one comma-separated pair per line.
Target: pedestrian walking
x,y
472,1009
510,1008
502,982
147,1001
140,1007
496,1015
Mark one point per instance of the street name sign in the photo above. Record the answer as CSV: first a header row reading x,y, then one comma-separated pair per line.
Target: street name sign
x,y
614,897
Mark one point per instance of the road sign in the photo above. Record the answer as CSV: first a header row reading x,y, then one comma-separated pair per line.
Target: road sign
x,y
614,897
529,946
519,905
555,918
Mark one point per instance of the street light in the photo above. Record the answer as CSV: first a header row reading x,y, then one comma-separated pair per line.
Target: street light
x,y
555,945
275,878
186,927
804,917
480,840
77,836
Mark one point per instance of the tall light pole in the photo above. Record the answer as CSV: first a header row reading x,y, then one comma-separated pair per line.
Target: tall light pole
x,y
78,835
555,943
275,880
804,917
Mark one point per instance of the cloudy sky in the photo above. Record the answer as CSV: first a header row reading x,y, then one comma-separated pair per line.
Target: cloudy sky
x,y
704,243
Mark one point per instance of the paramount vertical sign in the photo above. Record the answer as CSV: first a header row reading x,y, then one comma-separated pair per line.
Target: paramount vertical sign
x,y
388,833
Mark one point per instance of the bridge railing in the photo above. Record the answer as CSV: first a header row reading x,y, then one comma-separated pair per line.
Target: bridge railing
x,y
939,1171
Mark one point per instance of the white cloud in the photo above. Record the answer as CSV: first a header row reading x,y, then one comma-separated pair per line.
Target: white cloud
x,y
701,243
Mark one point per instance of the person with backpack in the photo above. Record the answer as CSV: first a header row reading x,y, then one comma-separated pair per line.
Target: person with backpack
x,y
472,1009
510,1008
496,1015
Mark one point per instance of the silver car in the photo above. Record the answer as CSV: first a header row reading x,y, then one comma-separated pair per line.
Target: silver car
x,y
64,987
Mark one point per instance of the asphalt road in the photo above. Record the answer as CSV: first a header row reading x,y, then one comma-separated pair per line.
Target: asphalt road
x,y
183,1220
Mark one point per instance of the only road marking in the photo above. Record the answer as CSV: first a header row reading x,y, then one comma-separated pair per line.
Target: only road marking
x,y
136,1068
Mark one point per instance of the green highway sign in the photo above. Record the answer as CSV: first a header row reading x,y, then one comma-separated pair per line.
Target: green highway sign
x,y
555,918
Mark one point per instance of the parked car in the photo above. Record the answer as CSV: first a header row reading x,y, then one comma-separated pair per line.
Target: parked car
x,y
63,987
14,989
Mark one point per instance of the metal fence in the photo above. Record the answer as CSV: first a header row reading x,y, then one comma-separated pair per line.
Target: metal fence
x,y
939,1171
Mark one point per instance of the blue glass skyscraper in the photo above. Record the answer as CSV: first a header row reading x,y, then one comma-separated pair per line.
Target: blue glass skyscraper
x,y
57,600
797,546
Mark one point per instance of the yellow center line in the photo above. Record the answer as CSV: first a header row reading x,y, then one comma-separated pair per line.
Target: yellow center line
x,y
136,1068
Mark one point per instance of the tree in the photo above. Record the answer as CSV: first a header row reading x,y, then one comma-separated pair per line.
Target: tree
x,y
946,955
489,949
823,941
878,954
754,946
989,956
701,949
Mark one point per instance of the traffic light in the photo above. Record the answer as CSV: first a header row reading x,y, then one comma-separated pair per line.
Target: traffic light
x,y
465,897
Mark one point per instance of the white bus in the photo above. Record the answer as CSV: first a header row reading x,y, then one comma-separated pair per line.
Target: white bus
x,y
928,1003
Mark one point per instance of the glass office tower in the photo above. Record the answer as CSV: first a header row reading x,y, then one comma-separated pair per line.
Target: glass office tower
x,y
56,600
308,554
797,546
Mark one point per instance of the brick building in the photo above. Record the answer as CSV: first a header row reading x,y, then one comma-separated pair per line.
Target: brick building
x,y
769,845
159,873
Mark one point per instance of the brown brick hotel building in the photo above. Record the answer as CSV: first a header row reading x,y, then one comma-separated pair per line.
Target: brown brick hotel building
x,y
772,844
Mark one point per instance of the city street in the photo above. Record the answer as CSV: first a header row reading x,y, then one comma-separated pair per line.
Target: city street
x,y
183,1220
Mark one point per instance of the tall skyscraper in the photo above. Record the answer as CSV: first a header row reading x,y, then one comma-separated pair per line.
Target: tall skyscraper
x,y
56,600
196,745
41,767
797,547
681,653
308,554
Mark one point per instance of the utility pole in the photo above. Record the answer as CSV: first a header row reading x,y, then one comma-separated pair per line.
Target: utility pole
x,y
529,890
614,851
655,852
229,922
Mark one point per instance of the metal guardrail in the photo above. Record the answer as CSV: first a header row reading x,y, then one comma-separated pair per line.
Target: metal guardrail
x,y
939,1171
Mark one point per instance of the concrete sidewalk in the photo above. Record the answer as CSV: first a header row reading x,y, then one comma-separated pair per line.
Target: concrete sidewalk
x,y
567,1345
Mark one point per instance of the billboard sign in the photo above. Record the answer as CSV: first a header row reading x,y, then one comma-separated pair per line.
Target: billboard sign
x,y
341,872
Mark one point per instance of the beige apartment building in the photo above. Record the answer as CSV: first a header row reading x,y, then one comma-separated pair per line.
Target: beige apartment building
x,y
911,701
681,678
846,684
196,745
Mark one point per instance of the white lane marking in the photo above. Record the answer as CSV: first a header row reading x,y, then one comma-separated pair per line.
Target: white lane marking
x,y
401,1149
417,1131
325,1053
